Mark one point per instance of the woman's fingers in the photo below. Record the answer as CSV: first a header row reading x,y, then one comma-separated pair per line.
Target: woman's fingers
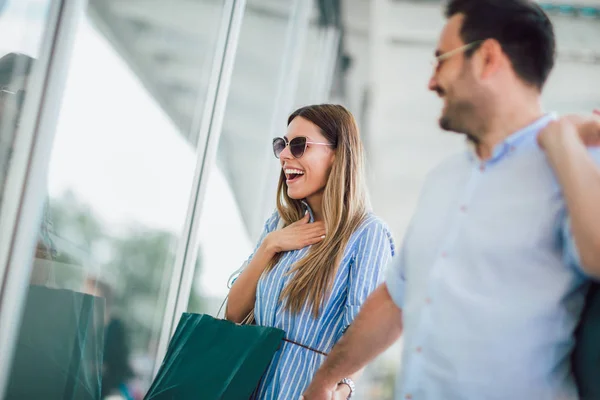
x,y
314,225
302,221
304,234
314,234
315,228
314,240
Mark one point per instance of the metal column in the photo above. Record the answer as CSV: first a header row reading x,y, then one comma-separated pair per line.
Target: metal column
x,y
210,132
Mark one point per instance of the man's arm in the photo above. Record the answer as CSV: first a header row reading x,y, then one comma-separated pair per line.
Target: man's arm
x,y
377,326
564,142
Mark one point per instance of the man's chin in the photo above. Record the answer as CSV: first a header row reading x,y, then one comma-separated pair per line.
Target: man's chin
x,y
450,126
445,123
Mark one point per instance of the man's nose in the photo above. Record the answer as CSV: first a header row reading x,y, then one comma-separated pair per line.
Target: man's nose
x,y
432,83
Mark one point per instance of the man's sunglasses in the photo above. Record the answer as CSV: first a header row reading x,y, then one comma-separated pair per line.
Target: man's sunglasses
x,y
297,145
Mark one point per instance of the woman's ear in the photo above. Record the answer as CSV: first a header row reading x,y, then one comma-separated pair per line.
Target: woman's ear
x,y
331,161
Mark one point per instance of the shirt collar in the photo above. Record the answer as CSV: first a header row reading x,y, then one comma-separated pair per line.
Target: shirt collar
x,y
517,139
309,210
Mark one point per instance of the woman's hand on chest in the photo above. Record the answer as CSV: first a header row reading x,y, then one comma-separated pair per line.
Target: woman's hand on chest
x,y
296,236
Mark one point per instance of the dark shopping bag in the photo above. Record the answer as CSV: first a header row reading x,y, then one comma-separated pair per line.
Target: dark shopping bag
x,y
212,359
586,355
59,349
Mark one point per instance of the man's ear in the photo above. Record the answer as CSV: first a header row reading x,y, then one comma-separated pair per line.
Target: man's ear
x,y
491,56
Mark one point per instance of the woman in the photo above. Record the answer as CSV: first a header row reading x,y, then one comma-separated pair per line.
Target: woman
x,y
320,254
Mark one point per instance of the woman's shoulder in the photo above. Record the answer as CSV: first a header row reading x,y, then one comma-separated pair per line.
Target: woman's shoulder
x,y
373,228
371,223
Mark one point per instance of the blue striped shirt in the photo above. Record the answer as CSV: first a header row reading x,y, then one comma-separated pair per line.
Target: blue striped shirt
x,y
367,253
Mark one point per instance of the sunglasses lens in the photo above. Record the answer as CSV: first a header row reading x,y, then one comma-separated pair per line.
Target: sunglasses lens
x,y
297,146
278,146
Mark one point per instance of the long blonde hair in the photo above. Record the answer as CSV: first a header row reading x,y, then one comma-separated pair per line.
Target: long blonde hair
x,y
344,209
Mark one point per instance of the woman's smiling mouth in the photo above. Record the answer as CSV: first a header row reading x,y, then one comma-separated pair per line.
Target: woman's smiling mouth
x,y
293,175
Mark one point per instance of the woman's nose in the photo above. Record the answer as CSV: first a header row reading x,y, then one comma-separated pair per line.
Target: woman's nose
x,y
285,154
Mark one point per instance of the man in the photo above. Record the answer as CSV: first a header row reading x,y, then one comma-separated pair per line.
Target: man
x,y
490,282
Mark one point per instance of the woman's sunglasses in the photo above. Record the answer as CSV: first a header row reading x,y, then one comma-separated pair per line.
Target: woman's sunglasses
x,y
297,145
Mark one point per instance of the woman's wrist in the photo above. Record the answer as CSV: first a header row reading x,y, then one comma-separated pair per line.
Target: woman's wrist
x,y
268,247
344,390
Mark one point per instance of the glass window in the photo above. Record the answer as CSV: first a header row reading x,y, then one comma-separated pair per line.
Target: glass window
x,y
236,200
325,60
22,25
120,179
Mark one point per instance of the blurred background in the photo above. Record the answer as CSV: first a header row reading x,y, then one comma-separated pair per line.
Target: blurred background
x,y
144,128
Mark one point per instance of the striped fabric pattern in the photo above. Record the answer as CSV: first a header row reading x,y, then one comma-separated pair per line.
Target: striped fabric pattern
x,y
367,254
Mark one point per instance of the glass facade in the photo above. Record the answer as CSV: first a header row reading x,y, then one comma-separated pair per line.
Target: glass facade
x,y
152,182
232,207
120,180
22,28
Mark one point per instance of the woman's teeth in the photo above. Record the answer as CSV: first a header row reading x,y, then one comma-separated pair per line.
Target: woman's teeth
x,y
291,173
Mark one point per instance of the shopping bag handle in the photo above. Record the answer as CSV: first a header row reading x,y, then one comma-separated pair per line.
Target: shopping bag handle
x,y
305,347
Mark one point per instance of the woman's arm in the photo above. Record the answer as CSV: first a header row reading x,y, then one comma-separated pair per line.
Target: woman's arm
x,y
564,142
243,292
298,235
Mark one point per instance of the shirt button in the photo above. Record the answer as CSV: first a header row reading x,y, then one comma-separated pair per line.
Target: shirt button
x,y
463,208
419,349
428,300
408,397
444,254
482,168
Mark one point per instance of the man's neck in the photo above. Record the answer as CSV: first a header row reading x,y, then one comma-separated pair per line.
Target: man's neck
x,y
504,123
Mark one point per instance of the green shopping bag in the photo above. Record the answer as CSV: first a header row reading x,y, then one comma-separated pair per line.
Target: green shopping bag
x,y
211,358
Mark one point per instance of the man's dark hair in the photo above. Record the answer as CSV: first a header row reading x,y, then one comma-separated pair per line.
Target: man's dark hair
x,y
520,26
